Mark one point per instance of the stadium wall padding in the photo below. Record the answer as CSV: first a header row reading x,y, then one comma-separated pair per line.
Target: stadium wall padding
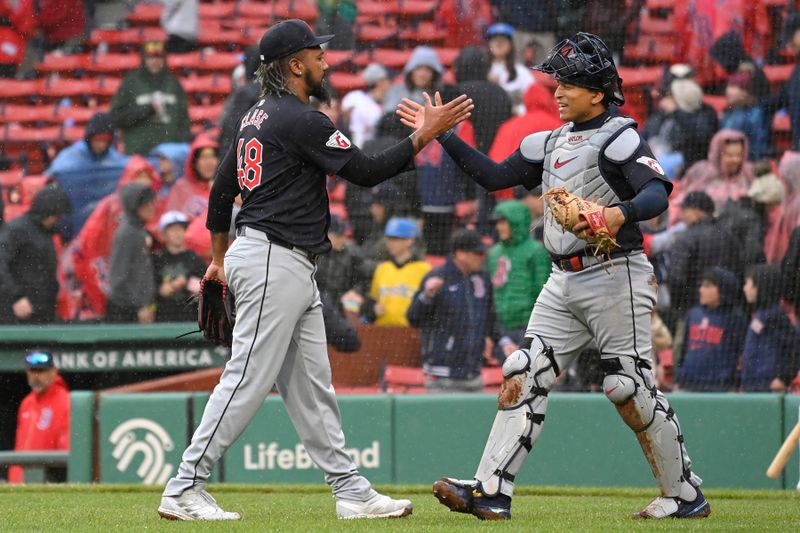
x,y
419,438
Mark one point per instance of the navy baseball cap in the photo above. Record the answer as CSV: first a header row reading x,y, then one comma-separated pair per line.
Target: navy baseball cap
x,y
468,240
39,360
699,200
287,37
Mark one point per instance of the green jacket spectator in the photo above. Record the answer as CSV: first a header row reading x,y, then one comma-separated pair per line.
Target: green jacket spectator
x,y
150,106
518,265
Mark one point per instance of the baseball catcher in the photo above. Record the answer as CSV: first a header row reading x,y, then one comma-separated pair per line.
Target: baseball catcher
x,y
600,179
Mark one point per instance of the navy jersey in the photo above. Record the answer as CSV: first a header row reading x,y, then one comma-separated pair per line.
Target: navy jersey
x,y
279,161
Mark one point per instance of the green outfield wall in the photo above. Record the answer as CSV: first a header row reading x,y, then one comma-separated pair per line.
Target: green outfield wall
x,y
138,438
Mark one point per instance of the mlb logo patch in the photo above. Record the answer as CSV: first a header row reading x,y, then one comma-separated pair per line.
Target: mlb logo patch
x,y
652,163
338,140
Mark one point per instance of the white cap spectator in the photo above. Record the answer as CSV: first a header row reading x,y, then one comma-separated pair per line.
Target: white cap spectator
x,y
374,73
172,217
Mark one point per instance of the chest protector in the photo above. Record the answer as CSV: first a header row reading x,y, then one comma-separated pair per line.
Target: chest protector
x,y
571,160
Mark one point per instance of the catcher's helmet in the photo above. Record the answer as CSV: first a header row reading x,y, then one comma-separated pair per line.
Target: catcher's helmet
x,y
586,61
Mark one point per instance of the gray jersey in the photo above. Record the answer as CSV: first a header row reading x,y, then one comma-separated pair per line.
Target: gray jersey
x,y
571,160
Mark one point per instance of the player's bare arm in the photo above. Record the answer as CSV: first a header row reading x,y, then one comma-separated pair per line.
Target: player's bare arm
x,y
219,245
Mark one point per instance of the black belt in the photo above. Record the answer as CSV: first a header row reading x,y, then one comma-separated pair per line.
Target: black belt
x,y
576,263
242,230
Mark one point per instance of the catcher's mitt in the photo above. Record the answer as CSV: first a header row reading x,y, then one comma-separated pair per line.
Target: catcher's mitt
x,y
216,312
569,209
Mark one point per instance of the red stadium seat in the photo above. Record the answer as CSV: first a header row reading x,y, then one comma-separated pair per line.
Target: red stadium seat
x,y
389,57
145,14
183,61
130,38
336,58
64,65
15,134
27,114
416,8
211,83
300,9
205,113
77,114
649,24
106,86
658,49
57,88
214,61
216,10
372,33
255,12
447,55
403,379
31,185
358,390
640,76
72,134
492,377
20,89
424,33
117,64
435,261
376,9
345,82
223,39
716,101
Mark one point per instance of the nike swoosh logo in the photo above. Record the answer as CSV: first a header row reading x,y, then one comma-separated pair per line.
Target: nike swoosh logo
x,y
609,391
558,164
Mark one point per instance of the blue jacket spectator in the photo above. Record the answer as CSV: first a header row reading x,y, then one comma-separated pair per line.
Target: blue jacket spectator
x,y
453,308
169,159
745,114
768,358
787,97
715,331
87,171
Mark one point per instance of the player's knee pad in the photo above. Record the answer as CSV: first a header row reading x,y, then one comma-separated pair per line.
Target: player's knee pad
x,y
630,385
529,374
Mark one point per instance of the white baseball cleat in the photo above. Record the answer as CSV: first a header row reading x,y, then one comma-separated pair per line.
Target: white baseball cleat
x,y
194,504
663,507
379,506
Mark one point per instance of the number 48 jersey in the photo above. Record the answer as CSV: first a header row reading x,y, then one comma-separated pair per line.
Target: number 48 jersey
x,y
279,161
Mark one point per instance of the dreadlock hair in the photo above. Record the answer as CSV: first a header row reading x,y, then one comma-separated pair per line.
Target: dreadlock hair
x,y
272,77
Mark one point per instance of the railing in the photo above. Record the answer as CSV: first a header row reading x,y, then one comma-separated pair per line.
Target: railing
x,y
34,462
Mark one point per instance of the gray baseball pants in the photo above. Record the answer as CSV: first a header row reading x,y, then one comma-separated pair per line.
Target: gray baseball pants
x,y
608,305
279,338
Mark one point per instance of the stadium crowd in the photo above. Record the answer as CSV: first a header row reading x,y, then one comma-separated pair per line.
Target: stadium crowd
x,y
116,231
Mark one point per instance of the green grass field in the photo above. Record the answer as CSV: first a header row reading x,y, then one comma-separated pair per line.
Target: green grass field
x,y
311,509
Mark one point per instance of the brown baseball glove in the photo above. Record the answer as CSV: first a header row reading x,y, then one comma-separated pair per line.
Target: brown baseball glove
x,y
216,313
569,209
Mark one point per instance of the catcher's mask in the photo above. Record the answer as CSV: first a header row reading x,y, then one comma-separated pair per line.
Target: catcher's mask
x,y
586,61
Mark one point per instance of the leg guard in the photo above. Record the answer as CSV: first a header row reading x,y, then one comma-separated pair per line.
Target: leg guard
x,y
529,375
631,387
